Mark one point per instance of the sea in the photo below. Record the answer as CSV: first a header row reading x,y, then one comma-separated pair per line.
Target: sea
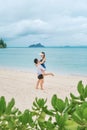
x,y
60,60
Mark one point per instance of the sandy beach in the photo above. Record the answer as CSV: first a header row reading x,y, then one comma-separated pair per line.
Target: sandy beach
x,y
21,86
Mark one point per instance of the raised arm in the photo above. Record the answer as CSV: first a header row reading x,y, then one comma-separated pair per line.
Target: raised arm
x,y
43,60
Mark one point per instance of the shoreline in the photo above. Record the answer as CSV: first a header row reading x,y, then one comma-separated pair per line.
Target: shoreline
x,y
34,71
20,85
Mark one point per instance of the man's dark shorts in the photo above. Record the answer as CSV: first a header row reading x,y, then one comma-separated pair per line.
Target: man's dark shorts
x,y
40,76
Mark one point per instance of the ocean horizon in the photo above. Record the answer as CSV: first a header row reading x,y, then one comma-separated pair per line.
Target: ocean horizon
x,y
60,59
65,46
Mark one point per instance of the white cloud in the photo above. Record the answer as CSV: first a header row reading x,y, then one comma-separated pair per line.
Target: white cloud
x,y
23,28
47,21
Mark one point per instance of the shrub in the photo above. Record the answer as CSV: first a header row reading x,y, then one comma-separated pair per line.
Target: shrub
x,y
70,114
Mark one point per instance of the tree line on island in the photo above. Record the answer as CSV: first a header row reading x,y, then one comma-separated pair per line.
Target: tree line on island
x,y
36,45
2,44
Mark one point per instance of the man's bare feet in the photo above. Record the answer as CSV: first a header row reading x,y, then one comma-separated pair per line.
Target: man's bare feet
x,y
42,88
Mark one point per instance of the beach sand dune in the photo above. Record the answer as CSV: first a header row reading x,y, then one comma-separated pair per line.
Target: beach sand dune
x,y
21,86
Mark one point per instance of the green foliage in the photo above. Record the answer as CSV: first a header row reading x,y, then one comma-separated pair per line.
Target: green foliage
x,y
80,115
70,114
2,44
2,105
82,91
58,104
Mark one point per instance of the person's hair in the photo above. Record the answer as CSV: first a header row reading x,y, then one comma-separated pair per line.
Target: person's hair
x,y
43,54
35,60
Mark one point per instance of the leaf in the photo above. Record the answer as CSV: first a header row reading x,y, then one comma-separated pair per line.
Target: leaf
x,y
85,93
14,111
35,106
79,112
41,102
10,106
77,118
71,125
11,125
42,117
2,105
66,101
80,88
53,101
58,104
25,117
49,125
84,105
61,120
85,113
49,112
73,96
41,125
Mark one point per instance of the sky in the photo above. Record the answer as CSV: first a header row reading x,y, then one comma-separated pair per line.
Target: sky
x,y
49,22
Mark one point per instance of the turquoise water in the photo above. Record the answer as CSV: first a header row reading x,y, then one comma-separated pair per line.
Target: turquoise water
x,y
59,60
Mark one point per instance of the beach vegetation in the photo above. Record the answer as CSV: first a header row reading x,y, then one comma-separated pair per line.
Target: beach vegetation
x,y
2,44
68,114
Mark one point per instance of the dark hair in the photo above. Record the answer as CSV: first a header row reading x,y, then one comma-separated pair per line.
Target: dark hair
x,y
43,53
35,60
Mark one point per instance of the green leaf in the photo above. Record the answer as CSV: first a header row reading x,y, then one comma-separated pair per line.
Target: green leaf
x,y
48,112
10,106
80,88
85,113
14,111
77,118
2,105
71,125
39,103
35,106
11,124
42,117
53,101
58,104
85,93
73,96
49,125
84,105
66,101
26,117
61,119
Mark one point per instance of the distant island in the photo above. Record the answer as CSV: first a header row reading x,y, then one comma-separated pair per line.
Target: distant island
x,y
2,44
36,45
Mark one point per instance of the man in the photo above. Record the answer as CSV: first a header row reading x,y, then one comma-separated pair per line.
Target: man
x,y
41,73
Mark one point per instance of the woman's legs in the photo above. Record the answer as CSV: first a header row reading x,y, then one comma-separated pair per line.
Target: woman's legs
x,y
46,74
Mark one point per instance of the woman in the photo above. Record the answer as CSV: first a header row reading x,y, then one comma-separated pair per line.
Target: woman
x,y
43,59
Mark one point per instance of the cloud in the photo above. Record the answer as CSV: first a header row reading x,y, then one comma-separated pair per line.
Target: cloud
x,y
24,28
48,21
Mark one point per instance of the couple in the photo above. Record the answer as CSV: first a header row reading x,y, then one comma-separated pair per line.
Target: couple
x,y
41,70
